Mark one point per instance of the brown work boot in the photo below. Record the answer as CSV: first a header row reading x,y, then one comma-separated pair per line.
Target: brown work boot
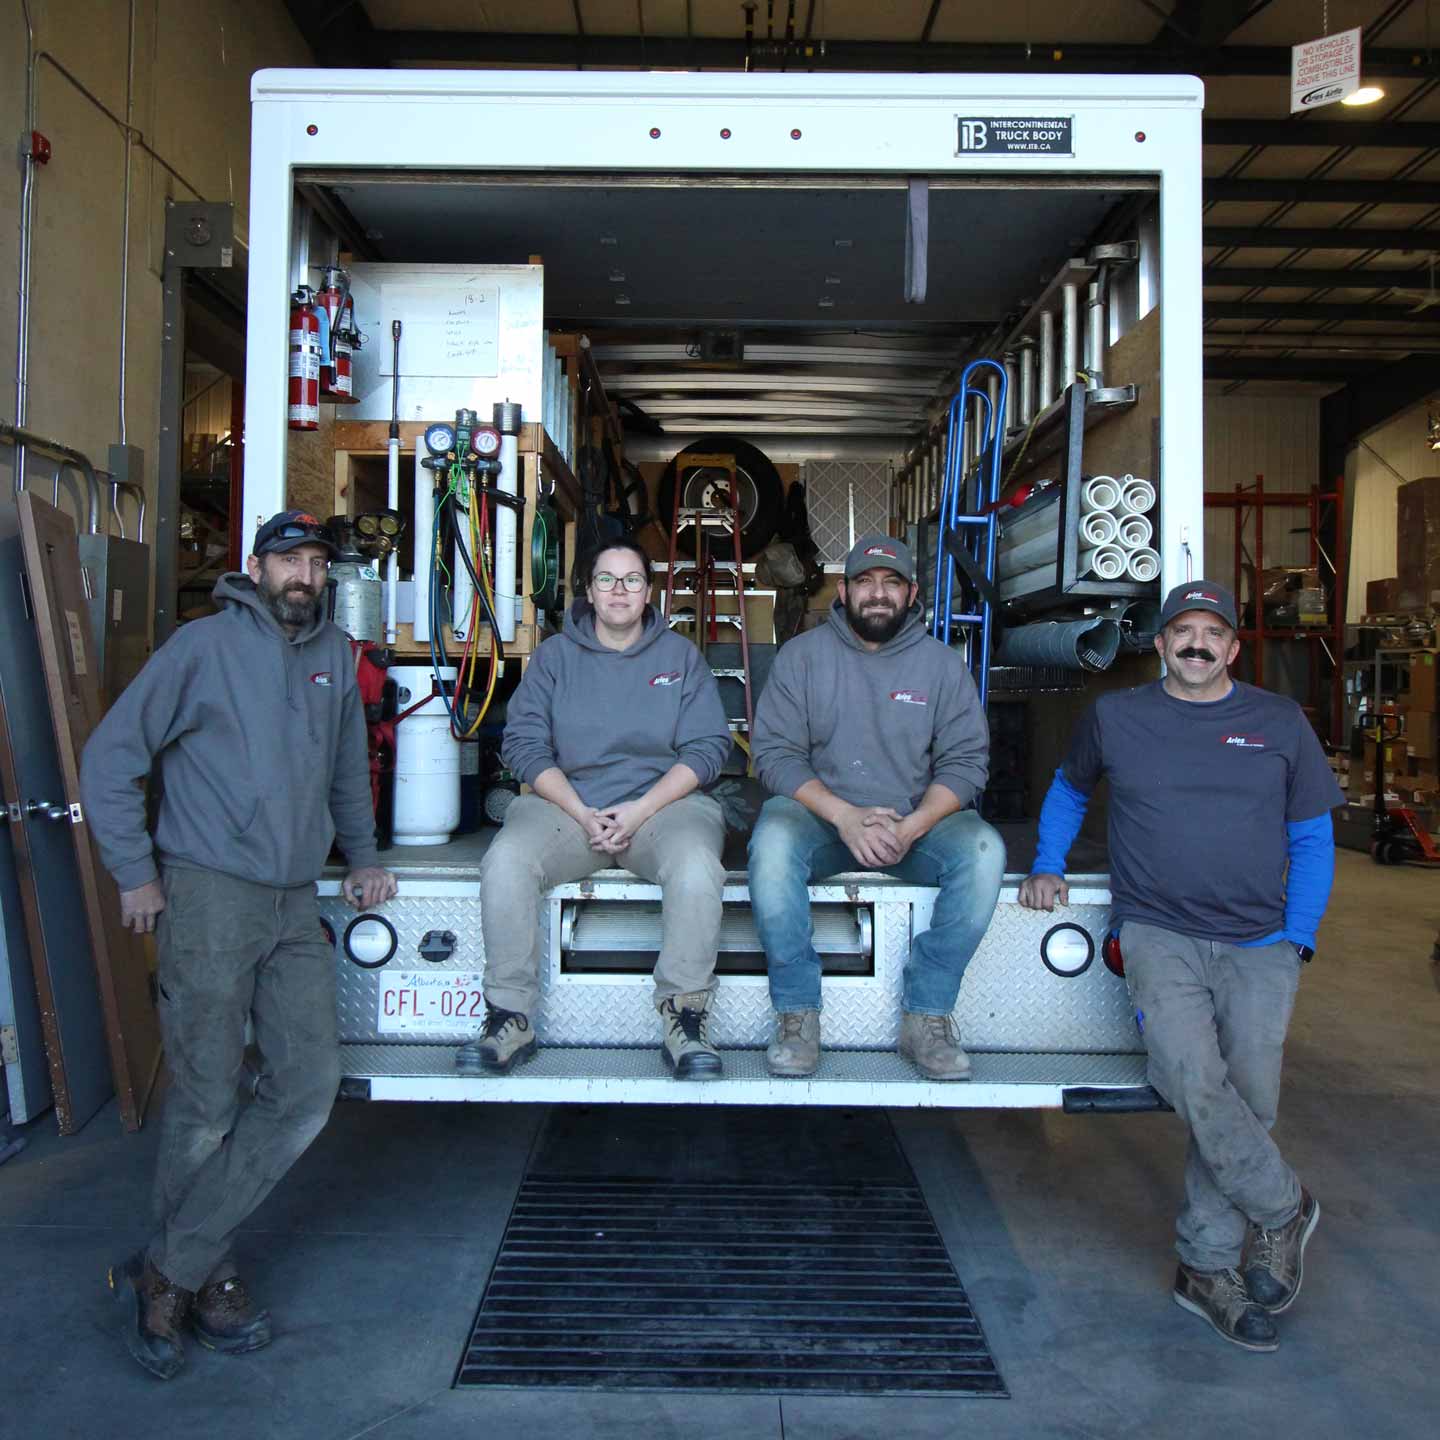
x,y
683,1039
505,1040
932,1044
155,1312
225,1318
1274,1262
1219,1297
796,1051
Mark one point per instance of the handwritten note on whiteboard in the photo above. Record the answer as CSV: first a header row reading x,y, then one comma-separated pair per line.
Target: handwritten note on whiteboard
x,y
451,329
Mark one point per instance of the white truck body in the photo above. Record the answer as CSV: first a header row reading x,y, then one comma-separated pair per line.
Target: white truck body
x,y
1036,1032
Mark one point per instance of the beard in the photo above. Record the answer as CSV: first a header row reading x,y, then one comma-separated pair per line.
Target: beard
x,y
289,602
877,623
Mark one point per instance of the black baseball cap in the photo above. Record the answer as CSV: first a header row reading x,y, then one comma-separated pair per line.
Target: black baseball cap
x,y
1199,595
879,552
289,529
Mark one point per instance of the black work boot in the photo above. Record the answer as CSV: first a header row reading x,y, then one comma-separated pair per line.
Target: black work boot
x,y
1274,1262
505,1039
225,1318
154,1313
1220,1299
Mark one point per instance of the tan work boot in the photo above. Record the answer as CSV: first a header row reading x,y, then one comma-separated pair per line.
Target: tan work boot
x,y
796,1050
683,1039
932,1044
225,1318
154,1312
505,1040
1220,1299
1274,1262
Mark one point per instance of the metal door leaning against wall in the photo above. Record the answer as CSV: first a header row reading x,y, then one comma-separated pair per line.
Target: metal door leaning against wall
x,y
132,1029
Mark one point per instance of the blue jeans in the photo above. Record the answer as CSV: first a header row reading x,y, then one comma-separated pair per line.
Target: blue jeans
x,y
791,847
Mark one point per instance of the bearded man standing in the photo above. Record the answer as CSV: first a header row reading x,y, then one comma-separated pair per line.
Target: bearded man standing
x,y
253,725
871,738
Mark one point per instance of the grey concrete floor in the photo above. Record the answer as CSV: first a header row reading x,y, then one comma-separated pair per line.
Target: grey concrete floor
x,y
374,1251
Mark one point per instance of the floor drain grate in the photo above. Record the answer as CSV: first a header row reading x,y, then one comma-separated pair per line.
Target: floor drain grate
x,y
622,1284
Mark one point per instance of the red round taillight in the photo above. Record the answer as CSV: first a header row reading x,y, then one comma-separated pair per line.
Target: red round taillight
x,y
1110,954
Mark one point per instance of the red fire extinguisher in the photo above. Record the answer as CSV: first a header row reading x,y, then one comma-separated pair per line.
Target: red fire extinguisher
x,y
334,292
305,361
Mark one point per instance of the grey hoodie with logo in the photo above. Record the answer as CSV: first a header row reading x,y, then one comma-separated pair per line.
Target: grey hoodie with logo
x,y
260,745
874,727
614,721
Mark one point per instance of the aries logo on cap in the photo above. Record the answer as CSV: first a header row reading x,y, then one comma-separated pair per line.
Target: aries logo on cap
x,y
667,677
910,697
304,520
881,550
321,677
1244,742
1202,595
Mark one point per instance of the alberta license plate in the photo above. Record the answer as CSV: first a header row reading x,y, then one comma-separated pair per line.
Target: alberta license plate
x,y
417,1001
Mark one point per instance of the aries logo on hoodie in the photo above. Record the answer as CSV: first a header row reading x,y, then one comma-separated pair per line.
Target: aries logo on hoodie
x,y
321,677
910,697
666,677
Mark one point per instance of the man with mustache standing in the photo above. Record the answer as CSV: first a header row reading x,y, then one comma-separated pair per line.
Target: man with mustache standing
x,y
253,724
1221,860
871,738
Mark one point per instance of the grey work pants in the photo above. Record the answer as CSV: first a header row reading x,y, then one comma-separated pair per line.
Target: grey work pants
x,y
229,951
1214,1017
540,845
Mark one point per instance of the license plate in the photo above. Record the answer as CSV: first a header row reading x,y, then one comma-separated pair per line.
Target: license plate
x,y
420,1001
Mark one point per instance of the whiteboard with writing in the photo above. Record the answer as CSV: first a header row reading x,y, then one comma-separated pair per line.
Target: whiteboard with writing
x,y
451,331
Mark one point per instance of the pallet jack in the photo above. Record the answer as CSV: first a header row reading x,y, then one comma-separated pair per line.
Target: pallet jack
x,y
1398,836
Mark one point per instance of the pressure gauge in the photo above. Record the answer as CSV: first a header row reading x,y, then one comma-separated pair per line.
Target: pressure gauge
x,y
485,442
440,439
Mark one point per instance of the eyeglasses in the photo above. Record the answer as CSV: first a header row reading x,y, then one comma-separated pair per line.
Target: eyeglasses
x,y
605,582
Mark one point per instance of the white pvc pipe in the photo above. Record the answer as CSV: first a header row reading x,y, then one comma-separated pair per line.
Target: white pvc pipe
x,y
1096,529
424,535
1137,497
462,588
509,482
1135,532
1142,564
1105,562
392,561
1100,492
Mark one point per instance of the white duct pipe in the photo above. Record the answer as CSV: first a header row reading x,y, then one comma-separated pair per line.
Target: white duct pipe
x,y
1105,562
392,560
1100,492
1142,564
1134,532
1096,529
462,588
423,531
507,418
1137,497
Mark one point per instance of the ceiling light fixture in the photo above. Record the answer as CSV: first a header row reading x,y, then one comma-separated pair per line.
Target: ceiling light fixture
x,y
1365,95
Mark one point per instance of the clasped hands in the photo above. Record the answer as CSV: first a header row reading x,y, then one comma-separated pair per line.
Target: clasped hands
x,y
877,835
611,830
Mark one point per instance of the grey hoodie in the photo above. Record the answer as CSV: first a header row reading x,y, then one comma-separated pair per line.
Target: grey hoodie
x,y
615,720
875,727
261,747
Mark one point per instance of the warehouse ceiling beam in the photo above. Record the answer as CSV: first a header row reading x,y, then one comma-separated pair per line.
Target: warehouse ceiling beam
x,y
1244,367
724,53
1284,237
340,34
1298,279
1206,24
1324,134
1372,398
1402,314
1323,192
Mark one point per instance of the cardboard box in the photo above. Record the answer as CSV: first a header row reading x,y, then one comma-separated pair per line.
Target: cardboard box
x,y
1382,597
1417,544
1422,692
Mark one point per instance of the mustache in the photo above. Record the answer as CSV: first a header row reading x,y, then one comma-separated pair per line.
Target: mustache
x,y
1194,652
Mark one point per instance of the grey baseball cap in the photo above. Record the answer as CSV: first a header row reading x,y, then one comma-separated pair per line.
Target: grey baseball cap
x,y
879,552
1199,595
